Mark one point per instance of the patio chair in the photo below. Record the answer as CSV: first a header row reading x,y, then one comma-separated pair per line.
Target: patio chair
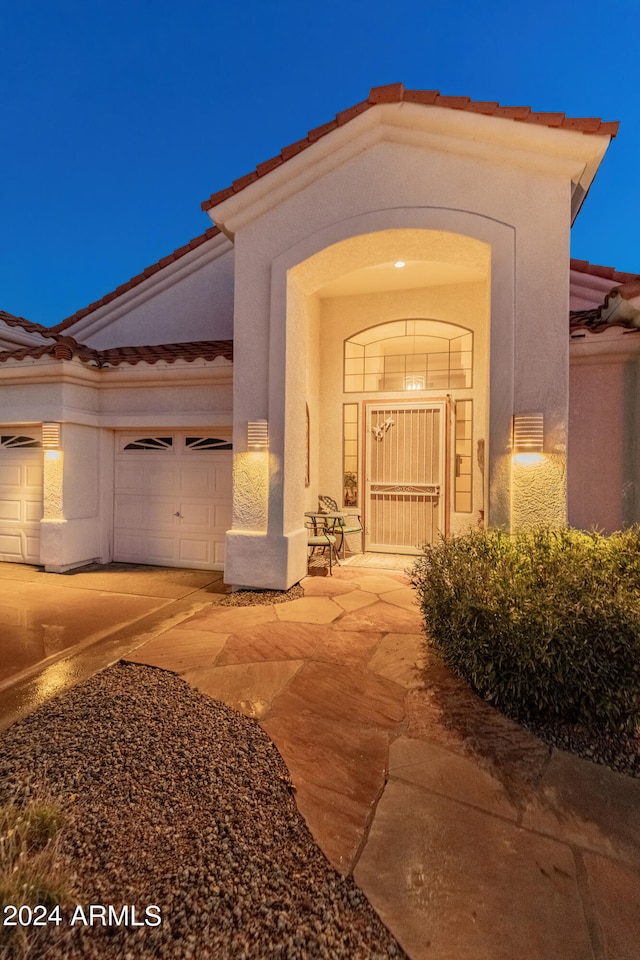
x,y
343,525
321,536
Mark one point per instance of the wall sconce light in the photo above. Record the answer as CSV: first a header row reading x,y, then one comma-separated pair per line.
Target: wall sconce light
x,y
414,383
528,433
258,435
51,436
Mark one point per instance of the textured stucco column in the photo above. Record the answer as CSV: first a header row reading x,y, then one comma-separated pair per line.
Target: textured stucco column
x,y
53,523
258,554
538,492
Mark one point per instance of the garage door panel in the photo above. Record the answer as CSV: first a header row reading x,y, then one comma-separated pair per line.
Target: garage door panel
x,y
32,477
222,516
128,477
11,544
11,510
162,550
33,511
197,514
195,551
159,513
224,481
10,474
127,546
20,499
218,553
32,548
153,486
127,510
163,480
196,481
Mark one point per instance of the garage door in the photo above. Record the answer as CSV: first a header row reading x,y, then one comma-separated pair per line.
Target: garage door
x,y
172,499
20,495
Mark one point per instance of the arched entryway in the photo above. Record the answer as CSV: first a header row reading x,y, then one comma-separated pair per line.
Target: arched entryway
x,y
396,380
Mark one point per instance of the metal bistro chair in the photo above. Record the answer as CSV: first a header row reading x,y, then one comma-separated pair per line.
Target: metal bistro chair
x,y
344,524
319,534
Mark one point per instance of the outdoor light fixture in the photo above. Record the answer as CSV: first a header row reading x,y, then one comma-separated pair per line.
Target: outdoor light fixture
x,y
414,383
399,263
258,435
528,433
51,436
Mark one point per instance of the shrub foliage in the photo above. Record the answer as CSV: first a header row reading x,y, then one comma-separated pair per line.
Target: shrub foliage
x,y
545,624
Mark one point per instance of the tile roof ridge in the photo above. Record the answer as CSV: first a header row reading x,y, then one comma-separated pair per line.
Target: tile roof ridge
x,y
139,278
28,325
396,93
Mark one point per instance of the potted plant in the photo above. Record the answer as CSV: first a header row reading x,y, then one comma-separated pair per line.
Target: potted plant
x,y
350,489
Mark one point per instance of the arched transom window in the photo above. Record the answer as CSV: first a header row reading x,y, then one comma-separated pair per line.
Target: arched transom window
x,y
408,355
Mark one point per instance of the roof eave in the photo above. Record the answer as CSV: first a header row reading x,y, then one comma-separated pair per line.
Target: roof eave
x,y
562,152
396,95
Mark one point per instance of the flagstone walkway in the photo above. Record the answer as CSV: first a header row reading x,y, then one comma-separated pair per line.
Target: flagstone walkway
x,y
471,838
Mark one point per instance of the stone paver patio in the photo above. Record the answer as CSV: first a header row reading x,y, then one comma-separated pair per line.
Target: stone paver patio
x,y
471,838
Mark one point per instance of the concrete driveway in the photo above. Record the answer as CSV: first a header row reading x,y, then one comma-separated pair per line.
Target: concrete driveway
x,y
57,629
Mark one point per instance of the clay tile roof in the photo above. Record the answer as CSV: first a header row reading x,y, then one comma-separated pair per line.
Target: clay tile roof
x,y
168,352
396,93
611,312
139,278
27,325
630,290
594,322
66,348
607,273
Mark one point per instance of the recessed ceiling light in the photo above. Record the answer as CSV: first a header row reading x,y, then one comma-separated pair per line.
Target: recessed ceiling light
x,y
399,263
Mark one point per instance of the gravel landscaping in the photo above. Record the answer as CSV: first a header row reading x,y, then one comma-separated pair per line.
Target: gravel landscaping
x,y
620,753
175,801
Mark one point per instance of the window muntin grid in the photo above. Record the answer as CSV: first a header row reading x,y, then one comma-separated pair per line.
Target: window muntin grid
x,y
408,355
464,457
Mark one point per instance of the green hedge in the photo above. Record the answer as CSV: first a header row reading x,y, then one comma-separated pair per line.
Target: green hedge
x,y
545,625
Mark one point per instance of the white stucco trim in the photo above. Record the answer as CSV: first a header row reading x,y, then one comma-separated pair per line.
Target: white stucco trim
x,y
47,369
562,153
181,394
610,346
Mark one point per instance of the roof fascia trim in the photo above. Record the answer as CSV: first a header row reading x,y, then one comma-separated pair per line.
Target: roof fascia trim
x,y
558,152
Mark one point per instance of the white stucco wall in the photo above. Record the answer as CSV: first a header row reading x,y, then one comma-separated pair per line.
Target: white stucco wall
x,y
604,424
190,299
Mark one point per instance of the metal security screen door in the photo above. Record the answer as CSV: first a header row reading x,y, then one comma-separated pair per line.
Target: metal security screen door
x,y
405,476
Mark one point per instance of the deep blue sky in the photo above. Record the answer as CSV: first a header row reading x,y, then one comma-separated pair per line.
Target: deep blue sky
x,y
119,116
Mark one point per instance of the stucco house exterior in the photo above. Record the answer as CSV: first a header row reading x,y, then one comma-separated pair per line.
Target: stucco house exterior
x,y
386,313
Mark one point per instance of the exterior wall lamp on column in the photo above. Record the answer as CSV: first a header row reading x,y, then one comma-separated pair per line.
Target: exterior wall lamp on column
x,y
258,435
528,438
538,476
51,436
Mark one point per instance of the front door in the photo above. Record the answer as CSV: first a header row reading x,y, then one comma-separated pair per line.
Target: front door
x,y
405,457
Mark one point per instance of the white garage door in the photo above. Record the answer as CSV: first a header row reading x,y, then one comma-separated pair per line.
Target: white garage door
x,y
172,498
20,495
